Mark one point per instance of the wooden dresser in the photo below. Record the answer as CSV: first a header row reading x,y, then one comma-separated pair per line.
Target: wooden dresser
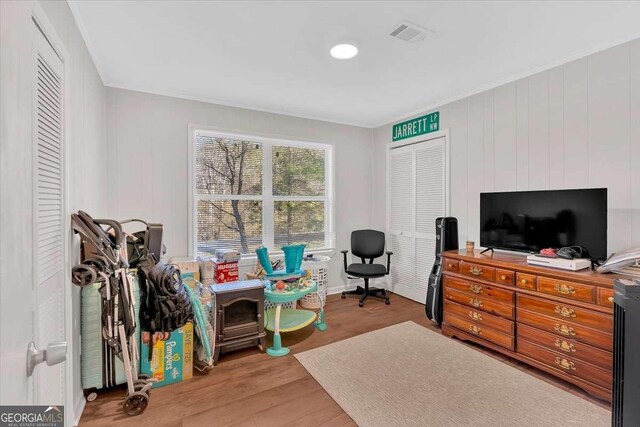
x,y
558,321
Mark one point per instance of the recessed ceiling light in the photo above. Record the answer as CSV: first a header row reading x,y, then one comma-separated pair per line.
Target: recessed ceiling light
x,y
344,51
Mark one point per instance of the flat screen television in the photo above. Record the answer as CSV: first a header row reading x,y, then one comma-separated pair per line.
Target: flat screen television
x,y
528,221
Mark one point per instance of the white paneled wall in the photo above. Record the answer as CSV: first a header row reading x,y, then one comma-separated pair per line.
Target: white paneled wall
x,y
576,125
575,114
608,137
522,138
504,138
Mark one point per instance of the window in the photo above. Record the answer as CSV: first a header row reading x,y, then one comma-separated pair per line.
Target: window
x,y
250,192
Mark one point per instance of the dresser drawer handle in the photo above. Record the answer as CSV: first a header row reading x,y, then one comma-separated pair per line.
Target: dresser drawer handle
x,y
450,266
565,346
475,330
564,329
564,289
475,302
503,277
610,299
476,289
565,312
475,271
565,364
475,315
523,281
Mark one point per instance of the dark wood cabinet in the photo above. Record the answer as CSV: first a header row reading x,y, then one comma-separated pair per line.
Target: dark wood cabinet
x,y
239,320
558,321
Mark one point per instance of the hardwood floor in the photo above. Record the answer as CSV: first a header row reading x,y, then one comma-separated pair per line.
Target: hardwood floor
x,y
249,388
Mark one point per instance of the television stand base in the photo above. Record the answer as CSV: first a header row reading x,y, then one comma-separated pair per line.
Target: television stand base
x,y
486,250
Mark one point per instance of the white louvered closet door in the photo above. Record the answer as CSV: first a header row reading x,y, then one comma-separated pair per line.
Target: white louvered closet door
x,y
417,196
48,189
401,220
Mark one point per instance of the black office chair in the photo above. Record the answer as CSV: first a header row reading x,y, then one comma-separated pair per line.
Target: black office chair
x,y
367,244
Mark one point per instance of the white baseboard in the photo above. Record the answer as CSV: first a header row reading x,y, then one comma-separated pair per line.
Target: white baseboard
x,y
78,409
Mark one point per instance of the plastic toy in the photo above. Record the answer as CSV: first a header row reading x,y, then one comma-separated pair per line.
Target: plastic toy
x,y
292,260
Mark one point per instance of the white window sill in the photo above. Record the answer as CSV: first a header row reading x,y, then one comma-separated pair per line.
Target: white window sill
x,y
251,260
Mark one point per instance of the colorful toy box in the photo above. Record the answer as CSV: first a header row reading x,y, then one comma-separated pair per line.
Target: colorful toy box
x,y
225,272
171,360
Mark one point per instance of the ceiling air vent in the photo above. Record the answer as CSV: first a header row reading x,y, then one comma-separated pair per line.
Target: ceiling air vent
x,y
409,32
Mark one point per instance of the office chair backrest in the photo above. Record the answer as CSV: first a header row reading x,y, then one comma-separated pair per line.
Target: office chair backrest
x,y
367,243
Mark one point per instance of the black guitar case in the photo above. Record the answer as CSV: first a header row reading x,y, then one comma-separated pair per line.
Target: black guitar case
x,y
446,239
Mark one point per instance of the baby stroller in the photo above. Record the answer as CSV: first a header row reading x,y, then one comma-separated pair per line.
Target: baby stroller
x,y
105,260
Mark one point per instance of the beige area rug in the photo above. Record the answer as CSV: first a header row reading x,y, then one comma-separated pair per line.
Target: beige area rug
x,y
407,375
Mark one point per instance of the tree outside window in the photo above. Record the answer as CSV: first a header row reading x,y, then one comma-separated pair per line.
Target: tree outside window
x,y
231,201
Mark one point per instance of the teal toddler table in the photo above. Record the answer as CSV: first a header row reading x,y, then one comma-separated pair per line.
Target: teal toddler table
x,y
287,320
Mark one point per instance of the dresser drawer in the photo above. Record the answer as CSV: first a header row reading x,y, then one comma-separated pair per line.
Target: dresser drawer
x,y
450,265
470,327
564,289
485,291
566,329
477,270
480,317
605,297
526,281
572,348
561,311
505,277
567,364
476,301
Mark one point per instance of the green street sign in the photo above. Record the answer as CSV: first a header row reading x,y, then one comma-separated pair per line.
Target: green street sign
x,y
417,126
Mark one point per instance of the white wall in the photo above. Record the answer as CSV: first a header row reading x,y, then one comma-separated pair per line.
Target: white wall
x,y
576,125
87,164
148,160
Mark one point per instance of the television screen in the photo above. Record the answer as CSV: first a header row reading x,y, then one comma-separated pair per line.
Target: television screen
x,y
528,221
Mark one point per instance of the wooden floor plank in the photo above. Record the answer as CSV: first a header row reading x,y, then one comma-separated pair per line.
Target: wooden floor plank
x,y
249,388
342,420
245,408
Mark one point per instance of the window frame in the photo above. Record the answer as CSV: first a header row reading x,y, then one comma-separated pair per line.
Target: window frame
x,y
267,198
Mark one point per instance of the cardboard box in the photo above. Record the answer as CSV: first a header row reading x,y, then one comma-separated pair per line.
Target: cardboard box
x,y
228,255
189,267
171,360
225,272
207,269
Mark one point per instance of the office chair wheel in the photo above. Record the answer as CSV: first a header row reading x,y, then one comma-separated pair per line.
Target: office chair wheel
x,y
387,301
361,304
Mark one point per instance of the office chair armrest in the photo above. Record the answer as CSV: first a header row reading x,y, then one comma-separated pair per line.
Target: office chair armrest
x,y
389,253
344,253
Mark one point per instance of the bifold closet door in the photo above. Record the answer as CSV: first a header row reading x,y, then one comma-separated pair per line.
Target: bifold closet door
x,y
49,229
400,219
417,196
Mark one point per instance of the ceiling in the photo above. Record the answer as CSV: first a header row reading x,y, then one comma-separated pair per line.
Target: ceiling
x,y
274,56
